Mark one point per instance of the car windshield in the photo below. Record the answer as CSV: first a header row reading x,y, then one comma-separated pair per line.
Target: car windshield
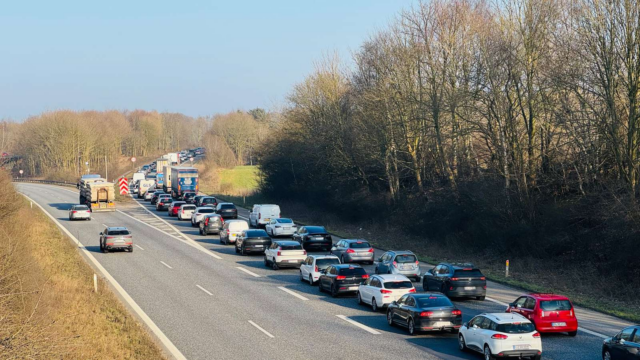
x,y
118,232
555,305
352,271
359,245
316,230
284,221
291,247
515,328
467,273
206,211
80,207
433,301
323,263
406,258
398,285
227,206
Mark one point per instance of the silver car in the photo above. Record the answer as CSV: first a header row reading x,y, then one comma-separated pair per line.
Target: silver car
x,y
399,262
353,250
116,238
79,212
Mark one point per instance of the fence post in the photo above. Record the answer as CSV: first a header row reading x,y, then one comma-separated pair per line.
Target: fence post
x,y
95,283
506,272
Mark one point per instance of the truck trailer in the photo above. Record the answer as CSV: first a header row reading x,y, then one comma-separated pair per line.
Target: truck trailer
x,y
183,180
98,196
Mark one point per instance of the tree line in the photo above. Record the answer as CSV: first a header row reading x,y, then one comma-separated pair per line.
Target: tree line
x,y
503,123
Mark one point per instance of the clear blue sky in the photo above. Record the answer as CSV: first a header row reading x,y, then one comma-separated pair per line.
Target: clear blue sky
x,y
194,57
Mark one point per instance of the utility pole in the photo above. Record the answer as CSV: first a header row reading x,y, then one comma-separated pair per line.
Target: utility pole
x,y
106,168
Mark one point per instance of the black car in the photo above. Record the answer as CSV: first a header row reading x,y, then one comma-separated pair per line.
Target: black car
x,y
424,312
252,241
207,201
624,346
197,198
211,224
227,210
313,238
341,278
162,203
154,198
456,280
188,197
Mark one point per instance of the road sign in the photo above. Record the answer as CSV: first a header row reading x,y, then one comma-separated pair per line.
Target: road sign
x,y
21,172
191,159
133,159
123,183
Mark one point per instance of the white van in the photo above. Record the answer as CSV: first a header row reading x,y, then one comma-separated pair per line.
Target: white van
x,y
231,230
137,176
262,214
144,186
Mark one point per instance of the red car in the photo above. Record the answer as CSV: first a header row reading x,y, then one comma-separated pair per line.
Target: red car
x,y
548,312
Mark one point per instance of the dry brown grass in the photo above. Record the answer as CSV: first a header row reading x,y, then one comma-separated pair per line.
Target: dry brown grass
x,y
48,309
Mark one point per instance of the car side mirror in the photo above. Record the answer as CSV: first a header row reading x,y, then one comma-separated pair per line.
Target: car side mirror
x,y
379,259
333,248
430,271
475,326
100,234
394,303
323,271
465,325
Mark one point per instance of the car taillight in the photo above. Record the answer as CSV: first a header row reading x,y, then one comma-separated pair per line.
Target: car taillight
x,y
109,237
412,290
350,251
417,263
456,312
365,276
483,278
316,269
383,291
259,216
340,277
426,313
228,232
127,237
536,335
499,336
395,264
73,212
279,253
304,252
455,279
370,249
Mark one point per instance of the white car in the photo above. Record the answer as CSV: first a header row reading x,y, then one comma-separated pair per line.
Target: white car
x,y
381,290
261,215
79,212
312,266
281,227
200,213
148,195
501,334
186,211
284,254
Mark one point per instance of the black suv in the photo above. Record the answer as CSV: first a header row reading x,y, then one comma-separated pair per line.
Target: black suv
x,y
456,280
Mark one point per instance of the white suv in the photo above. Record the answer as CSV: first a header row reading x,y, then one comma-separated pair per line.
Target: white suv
x,y
381,290
311,268
284,254
501,335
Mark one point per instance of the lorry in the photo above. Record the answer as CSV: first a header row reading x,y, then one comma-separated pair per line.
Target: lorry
x,y
166,184
160,164
183,180
98,195
86,177
173,158
144,186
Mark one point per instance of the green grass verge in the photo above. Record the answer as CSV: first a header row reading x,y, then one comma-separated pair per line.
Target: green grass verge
x,y
240,178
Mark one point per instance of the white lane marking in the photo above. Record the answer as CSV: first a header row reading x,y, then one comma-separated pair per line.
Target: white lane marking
x,y
242,217
292,293
363,327
247,271
189,241
203,289
579,328
261,329
121,291
165,264
104,225
139,247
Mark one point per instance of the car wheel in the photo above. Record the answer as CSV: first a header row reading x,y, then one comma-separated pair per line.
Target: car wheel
x,y
487,353
130,249
359,298
374,305
573,333
311,280
70,218
301,277
481,298
462,345
242,251
375,271
320,288
237,251
606,355
342,259
334,291
266,262
89,219
411,327
389,318
274,266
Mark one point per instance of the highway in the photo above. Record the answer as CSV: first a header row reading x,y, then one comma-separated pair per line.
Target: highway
x,y
212,303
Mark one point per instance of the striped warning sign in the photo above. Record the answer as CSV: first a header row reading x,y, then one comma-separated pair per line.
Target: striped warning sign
x,y
123,182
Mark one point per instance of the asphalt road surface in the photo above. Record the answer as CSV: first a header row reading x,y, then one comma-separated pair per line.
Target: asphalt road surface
x,y
212,303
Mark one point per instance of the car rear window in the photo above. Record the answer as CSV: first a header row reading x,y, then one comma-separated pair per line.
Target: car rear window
x,y
316,230
257,233
352,271
80,207
515,328
178,203
406,258
398,285
291,247
118,232
227,206
189,207
555,305
359,245
206,211
284,221
208,200
467,273
323,263
433,301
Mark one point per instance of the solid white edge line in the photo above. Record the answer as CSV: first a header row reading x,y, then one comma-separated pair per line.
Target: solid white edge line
x,y
363,327
579,328
247,271
138,246
189,241
203,289
168,344
261,329
104,225
165,264
242,217
292,293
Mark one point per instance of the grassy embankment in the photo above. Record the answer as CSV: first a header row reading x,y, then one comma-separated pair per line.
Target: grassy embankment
x,y
582,284
48,309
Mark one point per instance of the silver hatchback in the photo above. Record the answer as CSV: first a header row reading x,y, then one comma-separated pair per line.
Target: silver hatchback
x,y
353,250
79,212
402,262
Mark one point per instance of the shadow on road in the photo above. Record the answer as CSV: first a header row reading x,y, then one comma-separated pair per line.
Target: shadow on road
x,y
62,206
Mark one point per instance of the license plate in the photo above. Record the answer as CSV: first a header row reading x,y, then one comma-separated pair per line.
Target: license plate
x,y
267,220
469,287
353,288
119,241
258,246
521,347
441,324
559,324
287,228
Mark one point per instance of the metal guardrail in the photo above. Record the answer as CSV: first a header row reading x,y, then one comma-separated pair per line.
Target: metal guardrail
x,y
48,182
